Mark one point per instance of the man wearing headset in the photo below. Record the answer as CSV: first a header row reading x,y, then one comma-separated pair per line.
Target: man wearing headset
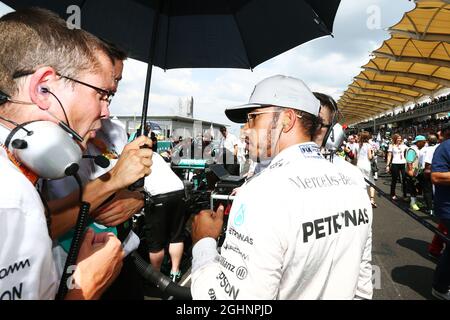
x,y
50,73
112,216
309,239
331,135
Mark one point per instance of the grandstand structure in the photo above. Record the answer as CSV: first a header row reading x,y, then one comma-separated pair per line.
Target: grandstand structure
x,y
412,65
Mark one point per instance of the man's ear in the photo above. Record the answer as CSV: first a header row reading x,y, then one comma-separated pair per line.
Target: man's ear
x,y
39,87
288,120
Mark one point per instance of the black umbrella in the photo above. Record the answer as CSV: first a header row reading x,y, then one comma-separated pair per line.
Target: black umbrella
x,y
199,33
195,34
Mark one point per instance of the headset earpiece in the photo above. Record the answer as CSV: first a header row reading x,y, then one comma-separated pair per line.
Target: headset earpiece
x,y
44,90
3,97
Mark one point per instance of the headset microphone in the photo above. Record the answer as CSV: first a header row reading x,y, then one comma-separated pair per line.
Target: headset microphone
x,y
99,160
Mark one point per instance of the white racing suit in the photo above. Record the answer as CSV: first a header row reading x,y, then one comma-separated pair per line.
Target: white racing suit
x,y
299,230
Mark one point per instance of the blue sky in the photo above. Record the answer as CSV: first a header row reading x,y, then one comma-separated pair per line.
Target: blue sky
x,y
326,65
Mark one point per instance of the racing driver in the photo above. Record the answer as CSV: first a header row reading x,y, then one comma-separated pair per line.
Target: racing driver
x,y
293,233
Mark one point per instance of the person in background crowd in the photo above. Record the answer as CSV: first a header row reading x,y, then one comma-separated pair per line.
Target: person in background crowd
x,y
364,156
396,164
350,149
437,244
440,176
432,141
375,145
242,156
229,151
164,225
409,141
414,170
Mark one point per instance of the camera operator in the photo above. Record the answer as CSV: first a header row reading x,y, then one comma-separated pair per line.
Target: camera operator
x,y
53,74
293,232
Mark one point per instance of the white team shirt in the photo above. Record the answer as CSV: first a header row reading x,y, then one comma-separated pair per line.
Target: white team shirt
x,y
429,153
162,179
229,142
293,233
27,269
398,153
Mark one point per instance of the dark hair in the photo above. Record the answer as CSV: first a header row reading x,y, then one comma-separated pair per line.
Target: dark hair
x,y
223,128
432,139
310,122
114,51
326,101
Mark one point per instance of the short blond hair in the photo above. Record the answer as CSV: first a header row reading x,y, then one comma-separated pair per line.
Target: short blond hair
x,y
33,37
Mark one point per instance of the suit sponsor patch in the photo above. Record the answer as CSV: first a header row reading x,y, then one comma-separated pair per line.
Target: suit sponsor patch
x,y
323,227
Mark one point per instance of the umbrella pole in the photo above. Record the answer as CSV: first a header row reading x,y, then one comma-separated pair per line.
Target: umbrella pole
x,y
150,67
140,183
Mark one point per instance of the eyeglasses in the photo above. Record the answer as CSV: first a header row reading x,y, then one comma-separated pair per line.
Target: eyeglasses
x,y
105,95
251,116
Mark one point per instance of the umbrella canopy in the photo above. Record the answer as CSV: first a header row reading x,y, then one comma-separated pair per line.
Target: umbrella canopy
x,y
201,33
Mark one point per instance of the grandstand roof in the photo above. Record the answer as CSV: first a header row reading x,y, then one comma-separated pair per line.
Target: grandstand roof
x,y
428,21
413,63
410,50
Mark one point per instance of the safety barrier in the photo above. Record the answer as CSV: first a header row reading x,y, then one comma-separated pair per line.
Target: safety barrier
x,y
411,213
